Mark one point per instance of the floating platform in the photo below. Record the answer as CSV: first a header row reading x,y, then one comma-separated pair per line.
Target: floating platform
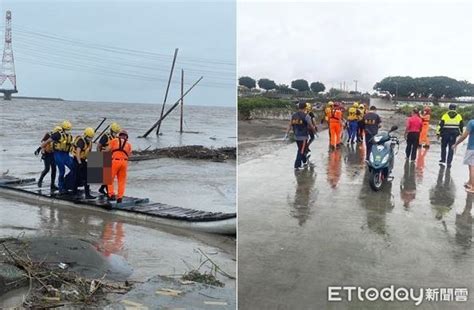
x,y
211,222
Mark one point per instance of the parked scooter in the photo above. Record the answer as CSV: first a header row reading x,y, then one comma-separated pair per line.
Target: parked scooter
x,y
381,158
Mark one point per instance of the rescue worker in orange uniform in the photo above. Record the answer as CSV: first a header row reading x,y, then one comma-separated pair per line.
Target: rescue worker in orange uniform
x,y
335,126
327,115
121,150
425,117
103,143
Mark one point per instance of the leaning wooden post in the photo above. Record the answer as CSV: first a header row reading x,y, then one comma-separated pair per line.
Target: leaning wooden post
x,y
171,109
182,102
167,89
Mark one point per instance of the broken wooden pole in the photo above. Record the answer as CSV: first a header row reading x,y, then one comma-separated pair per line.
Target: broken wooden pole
x,y
100,135
167,90
171,109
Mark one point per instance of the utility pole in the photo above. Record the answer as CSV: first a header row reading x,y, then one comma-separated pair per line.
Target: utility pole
x,y
355,81
182,102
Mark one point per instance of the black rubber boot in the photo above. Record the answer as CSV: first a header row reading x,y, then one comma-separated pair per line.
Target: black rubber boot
x,y
54,188
119,200
88,192
103,190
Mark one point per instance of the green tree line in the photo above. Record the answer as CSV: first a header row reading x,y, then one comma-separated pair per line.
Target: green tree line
x,y
267,84
435,86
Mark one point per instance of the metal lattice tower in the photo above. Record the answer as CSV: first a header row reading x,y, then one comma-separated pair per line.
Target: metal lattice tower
x,y
7,73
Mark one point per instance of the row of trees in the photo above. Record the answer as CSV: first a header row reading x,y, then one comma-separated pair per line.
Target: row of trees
x,y
436,86
267,84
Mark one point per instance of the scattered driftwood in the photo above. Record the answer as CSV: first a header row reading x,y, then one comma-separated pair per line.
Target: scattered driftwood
x,y
51,287
187,152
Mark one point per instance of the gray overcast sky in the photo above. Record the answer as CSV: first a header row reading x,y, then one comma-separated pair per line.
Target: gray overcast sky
x,y
56,52
336,42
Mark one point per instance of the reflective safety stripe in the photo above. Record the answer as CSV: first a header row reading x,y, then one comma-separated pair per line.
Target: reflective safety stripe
x,y
64,144
84,151
451,123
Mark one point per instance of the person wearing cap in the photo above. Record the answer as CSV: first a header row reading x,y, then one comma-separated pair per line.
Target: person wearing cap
x,y
412,134
121,150
82,145
62,143
309,111
449,128
47,155
301,124
103,143
371,127
425,117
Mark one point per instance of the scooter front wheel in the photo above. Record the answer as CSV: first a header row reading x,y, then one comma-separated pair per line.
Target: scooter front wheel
x,y
376,180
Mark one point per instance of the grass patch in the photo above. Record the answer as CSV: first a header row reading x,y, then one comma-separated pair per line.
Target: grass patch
x,y
206,278
246,105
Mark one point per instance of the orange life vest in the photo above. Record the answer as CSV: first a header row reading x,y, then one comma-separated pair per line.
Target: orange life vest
x,y
120,148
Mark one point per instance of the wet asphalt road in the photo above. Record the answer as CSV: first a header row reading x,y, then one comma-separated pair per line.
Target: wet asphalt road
x,y
300,232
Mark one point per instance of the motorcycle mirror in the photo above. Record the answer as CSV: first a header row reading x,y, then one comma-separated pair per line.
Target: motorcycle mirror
x,y
394,127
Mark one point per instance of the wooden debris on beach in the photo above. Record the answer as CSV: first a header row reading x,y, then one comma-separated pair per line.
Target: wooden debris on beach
x,y
186,152
53,287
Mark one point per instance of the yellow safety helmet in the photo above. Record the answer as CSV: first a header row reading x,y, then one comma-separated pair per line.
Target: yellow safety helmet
x,y
114,127
308,107
57,128
66,125
356,104
330,103
89,132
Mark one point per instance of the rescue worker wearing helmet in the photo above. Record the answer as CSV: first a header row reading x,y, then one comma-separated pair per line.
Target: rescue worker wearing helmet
x,y
103,143
449,128
353,125
327,115
82,145
335,126
62,143
425,117
121,150
47,155
362,110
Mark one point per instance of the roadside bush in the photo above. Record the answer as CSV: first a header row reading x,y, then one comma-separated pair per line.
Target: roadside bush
x,y
436,112
245,105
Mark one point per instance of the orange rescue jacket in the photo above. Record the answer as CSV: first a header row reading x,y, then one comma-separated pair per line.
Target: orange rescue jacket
x,y
120,148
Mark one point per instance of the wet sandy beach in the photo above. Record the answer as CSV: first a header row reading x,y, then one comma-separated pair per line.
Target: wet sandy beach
x,y
148,249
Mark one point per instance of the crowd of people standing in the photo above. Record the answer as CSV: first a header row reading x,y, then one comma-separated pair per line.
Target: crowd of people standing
x,y
361,123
